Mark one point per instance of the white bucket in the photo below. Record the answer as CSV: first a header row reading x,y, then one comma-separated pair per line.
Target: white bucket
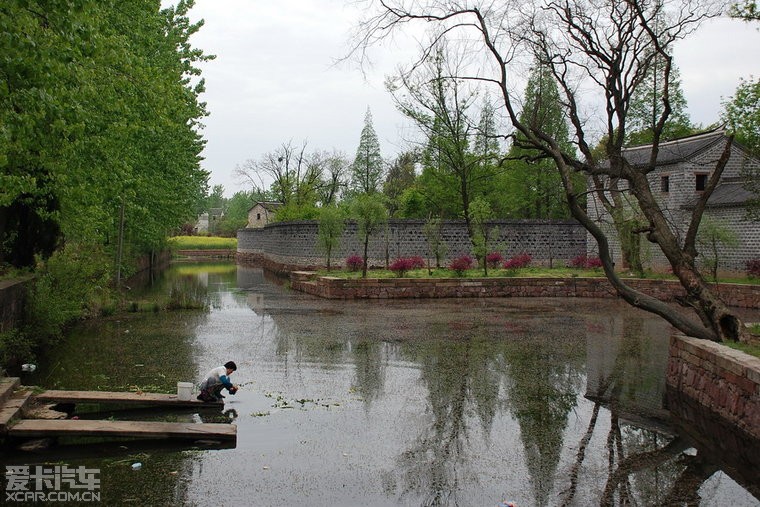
x,y
184,391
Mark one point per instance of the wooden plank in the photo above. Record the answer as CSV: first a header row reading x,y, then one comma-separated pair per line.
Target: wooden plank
x,y
13,407
123,398
135,429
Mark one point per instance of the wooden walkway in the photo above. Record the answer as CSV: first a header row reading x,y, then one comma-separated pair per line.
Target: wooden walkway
x,y
132,429
14,421
122,398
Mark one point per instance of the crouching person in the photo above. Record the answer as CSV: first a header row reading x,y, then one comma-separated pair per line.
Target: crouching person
x,y
216,380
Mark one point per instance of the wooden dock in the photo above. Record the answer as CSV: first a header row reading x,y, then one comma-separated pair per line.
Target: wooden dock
x,y
15,420
122,398
132,429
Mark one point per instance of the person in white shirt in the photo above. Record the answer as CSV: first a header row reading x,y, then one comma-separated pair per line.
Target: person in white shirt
x,y
216,380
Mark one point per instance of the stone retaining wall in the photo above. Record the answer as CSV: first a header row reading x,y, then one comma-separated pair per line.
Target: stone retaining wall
x,y
724,380
742,296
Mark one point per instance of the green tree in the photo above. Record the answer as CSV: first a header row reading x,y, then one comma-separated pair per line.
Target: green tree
x,y
480,214
331,227
746,10
532,185
452,176
714,236
742,114
100,114
401,176
371,215
647,106
433,231
367,169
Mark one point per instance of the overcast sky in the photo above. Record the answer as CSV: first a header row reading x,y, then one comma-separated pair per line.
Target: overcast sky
x,y
274,79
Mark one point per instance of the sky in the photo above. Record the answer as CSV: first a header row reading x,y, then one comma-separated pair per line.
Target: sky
x,y
275,79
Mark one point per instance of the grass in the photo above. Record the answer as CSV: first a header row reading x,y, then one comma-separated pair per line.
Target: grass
x,y
752,349
202,243
529,272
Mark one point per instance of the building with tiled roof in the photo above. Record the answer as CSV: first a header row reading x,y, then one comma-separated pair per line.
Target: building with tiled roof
x,y
682,171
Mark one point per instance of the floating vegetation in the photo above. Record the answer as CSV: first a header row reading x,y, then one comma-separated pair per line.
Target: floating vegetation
x,y
282,403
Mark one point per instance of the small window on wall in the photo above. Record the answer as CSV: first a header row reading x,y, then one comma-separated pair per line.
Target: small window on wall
x,y
665,184
258,216
700,182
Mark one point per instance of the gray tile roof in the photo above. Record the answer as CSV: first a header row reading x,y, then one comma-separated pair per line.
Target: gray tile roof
x,y
673,152
728,193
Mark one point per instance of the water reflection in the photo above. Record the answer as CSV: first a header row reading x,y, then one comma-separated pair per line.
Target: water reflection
x,y
451,402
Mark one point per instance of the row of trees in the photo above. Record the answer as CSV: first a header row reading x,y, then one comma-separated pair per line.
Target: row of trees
x,y
99,126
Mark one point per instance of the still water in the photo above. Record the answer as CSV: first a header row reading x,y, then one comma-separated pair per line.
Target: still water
x,y
540,402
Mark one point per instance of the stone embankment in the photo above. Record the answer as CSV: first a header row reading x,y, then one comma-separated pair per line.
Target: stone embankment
x,y
724,380
740,296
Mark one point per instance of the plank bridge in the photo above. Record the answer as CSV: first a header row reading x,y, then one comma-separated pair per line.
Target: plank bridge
x,y
16,420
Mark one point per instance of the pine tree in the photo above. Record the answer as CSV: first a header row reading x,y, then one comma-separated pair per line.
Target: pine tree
x,y
367,169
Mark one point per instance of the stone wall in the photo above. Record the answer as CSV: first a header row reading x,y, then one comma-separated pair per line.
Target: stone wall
x,y
742,296
295,243
724,380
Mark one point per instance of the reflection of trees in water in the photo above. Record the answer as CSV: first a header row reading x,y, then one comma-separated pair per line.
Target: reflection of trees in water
x,y
543,382
370,369
645,466
431,465
541,374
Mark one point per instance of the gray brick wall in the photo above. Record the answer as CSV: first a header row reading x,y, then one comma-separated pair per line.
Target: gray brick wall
x,y
295,243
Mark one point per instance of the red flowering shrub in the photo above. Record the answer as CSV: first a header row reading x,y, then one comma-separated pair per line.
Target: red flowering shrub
x,y
461,264
494,259
753,268
417,262
518,261
586,262
354,263
593,262
400,266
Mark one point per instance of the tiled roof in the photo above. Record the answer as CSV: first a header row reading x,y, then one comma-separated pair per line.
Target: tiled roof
x,y
267,205
728,193
672,152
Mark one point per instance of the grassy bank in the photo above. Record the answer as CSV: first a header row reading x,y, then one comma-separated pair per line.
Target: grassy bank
x,y
528,272
202,243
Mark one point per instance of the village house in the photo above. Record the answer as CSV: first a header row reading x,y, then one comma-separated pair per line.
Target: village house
x,y
207,221
684,167
262,213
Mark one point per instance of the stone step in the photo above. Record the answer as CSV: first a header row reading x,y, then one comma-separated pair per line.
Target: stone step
x,y
13,408
7,386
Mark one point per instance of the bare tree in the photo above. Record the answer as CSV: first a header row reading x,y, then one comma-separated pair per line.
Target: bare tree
x,y
599,52
295,180
334,168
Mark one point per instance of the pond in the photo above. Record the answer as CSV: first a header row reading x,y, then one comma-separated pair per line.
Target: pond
x,y
465,402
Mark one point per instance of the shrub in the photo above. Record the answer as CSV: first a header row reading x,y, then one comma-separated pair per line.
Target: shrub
x,y
354,263
400,266
577,262
753,268
417,262
585,262
494,259
593,262
518,261
461,264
